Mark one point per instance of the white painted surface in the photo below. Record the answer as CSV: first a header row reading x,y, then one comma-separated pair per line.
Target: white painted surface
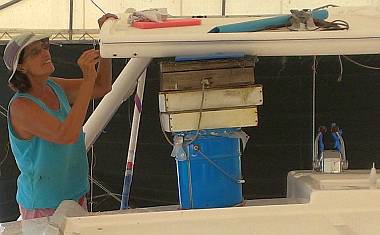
x,y
174,101
54,14
211,119
122,89
350,209
118,40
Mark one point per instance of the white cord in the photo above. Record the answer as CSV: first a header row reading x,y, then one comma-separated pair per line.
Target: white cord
x,y
325,6
4,114
359,64
341,69
6,110
3,111
5,158
204,82
114,195
92,155
92,170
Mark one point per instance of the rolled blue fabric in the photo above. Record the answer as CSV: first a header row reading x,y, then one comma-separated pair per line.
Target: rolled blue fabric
x,y
258,25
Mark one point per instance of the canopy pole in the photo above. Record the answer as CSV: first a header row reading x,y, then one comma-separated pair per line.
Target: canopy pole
x,y
313,112
223,7
71,17
122,88
133,141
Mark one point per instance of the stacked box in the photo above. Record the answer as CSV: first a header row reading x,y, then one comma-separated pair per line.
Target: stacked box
x,y
228,97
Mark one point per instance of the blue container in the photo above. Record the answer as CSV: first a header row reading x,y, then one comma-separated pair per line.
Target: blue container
x,y
209,176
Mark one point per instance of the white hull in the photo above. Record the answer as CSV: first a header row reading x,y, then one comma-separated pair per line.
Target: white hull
x,y
329,204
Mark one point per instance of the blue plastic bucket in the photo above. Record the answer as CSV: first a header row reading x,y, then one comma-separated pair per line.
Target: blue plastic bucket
x,y
209,176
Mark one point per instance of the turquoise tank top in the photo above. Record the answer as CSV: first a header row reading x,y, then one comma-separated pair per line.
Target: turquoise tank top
x,y
50,172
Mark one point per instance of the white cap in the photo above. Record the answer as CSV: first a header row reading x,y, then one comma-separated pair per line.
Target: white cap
x,y
15,46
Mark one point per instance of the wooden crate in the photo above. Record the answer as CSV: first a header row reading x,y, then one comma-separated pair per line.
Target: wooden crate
x,y
214,98
211,119
188,75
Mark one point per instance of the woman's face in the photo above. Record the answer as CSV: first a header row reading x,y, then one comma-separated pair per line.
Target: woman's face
x,y
36,59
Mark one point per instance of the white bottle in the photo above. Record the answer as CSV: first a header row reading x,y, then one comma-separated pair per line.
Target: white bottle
x,y
373,178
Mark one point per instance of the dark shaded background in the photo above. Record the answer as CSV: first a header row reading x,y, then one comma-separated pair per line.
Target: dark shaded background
x,y
281,143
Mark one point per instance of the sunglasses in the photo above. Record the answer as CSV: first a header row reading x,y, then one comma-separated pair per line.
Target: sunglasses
x,y
36,50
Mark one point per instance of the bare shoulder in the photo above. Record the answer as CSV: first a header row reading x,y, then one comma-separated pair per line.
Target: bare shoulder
x,y
23,106
60,81
29,119
70,86
67,83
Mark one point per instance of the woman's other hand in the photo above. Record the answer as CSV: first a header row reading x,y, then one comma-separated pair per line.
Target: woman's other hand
x,y
87,62
102,19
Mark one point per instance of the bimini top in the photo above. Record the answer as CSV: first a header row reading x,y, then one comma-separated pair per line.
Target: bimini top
x,y
119,40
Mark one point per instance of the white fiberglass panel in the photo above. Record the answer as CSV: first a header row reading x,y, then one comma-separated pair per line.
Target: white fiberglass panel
x,y
118,40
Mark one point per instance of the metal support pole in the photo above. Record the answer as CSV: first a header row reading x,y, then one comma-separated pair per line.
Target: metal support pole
x,y
8,4
71,20
133,142
223,7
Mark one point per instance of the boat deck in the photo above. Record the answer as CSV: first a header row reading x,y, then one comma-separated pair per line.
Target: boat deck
x,y
334,204
119,40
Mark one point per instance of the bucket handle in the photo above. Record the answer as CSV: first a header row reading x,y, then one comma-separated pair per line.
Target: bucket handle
x,y
238,181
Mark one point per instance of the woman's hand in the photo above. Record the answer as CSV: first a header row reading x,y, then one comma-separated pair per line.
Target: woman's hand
x,y
87,62
102,19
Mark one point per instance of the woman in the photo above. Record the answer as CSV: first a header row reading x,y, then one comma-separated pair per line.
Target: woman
x,y
45,132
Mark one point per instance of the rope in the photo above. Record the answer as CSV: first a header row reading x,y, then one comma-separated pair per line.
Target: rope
x,y
92,170
354,62
359,64
97,183
341,69
165,135
238,181
203,82
6,156
3,111
333,25
2,107
3,114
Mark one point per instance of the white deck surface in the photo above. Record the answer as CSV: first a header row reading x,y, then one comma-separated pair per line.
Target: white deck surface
x,y
312,207
118,40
